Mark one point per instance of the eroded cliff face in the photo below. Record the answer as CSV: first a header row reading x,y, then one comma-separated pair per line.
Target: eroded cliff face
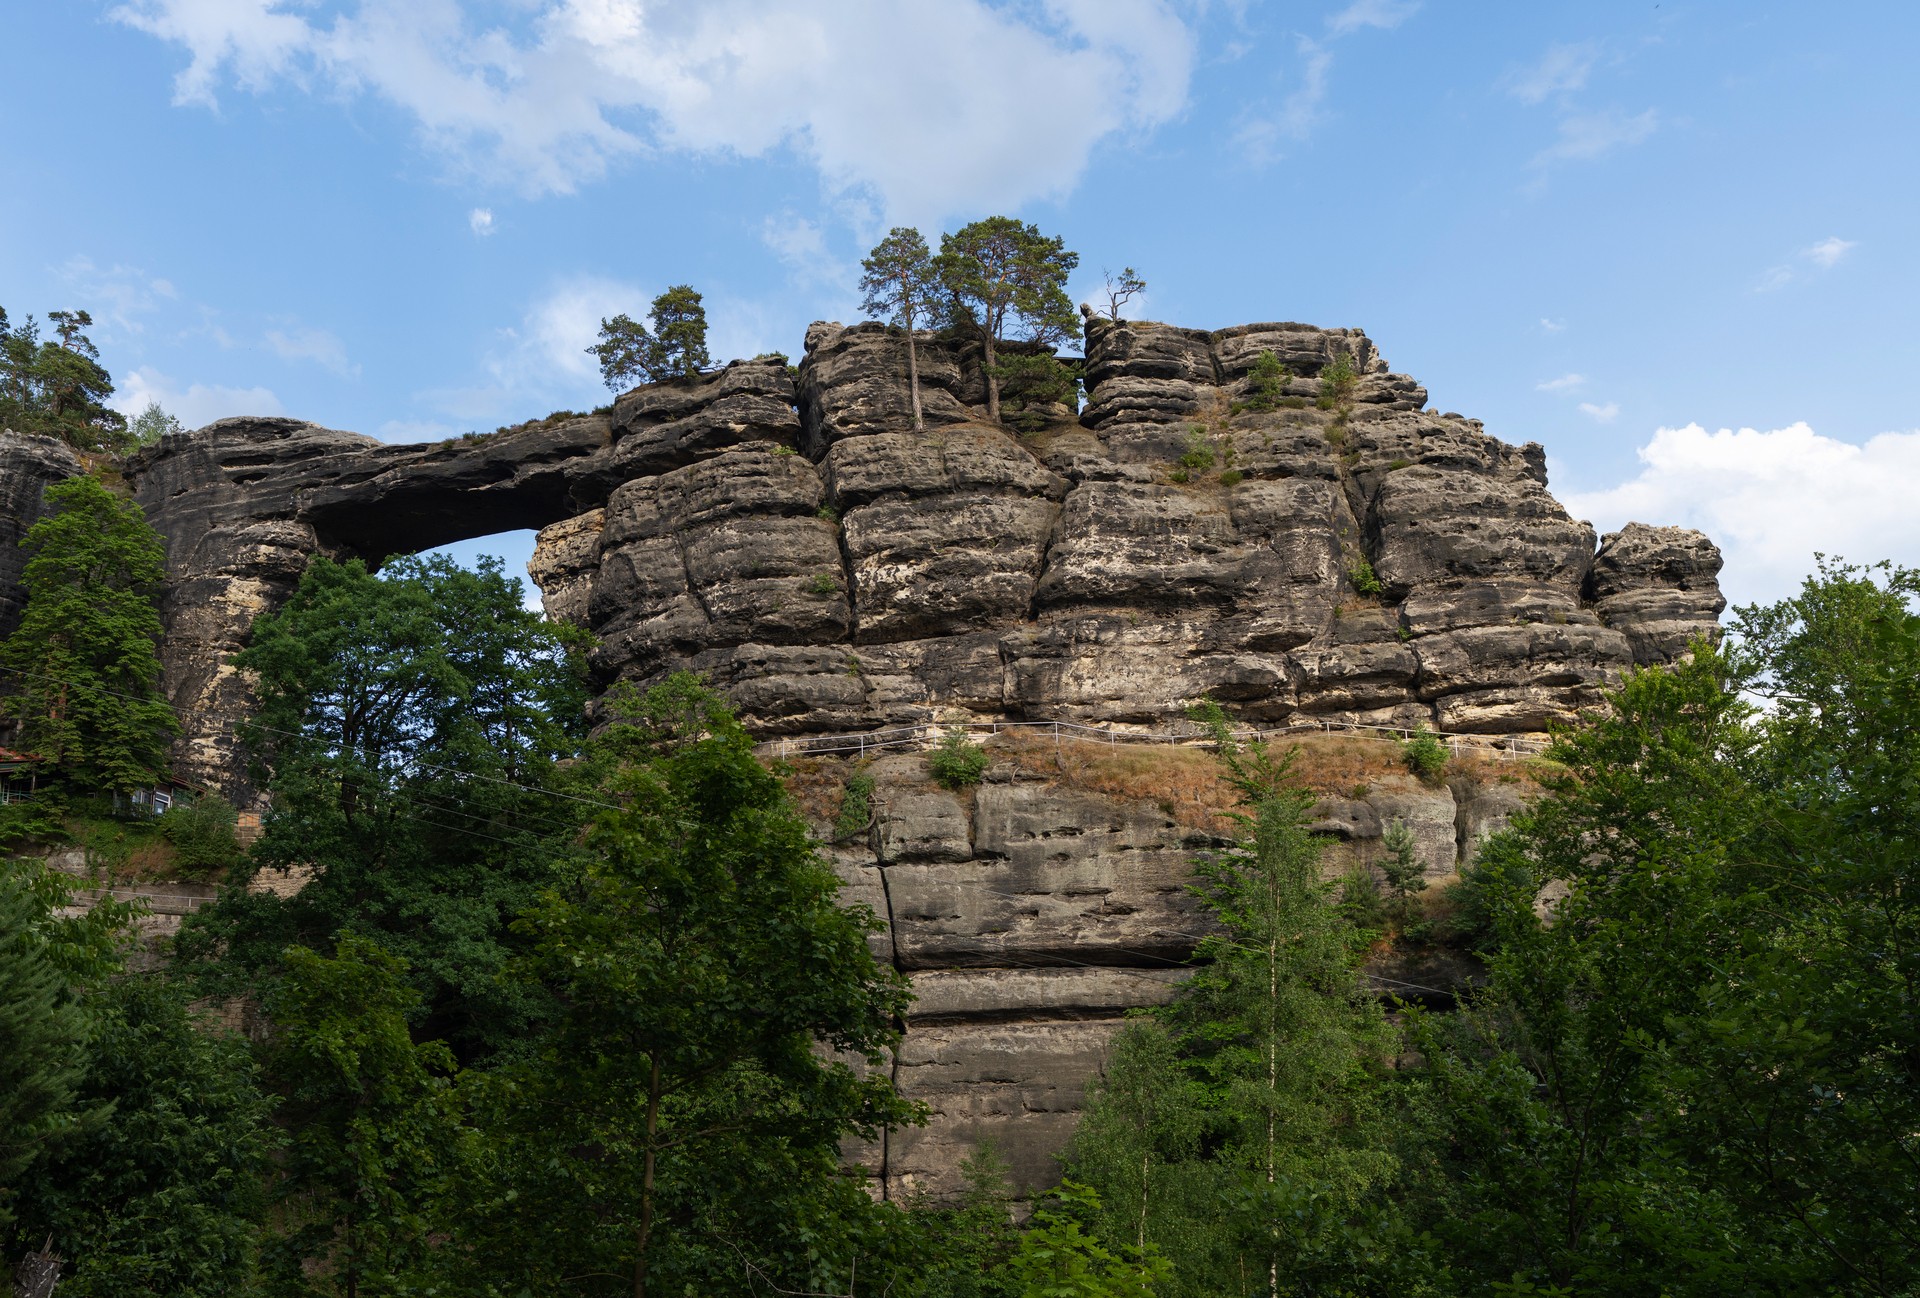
x,y
788,534
833,570
1033,913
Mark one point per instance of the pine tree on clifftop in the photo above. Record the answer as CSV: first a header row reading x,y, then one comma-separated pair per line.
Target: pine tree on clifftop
x,y
901,287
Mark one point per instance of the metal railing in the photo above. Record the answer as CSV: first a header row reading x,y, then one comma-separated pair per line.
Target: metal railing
x,y
926,735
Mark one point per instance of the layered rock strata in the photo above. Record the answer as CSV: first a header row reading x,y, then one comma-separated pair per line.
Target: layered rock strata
x,y
1297,552
1033,915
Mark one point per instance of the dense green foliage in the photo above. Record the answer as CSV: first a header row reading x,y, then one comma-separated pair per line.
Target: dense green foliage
x,y
572,1014
57,386
411,729
83,665
675,348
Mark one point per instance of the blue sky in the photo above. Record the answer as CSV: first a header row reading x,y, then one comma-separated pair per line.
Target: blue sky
x,y
1674,242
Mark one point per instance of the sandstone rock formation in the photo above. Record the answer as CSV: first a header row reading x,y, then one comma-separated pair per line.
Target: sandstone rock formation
x,y
1178,540
1032,915
1300,550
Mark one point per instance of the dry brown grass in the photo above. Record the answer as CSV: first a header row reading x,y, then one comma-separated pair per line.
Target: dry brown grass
x,y
816,785
1184,783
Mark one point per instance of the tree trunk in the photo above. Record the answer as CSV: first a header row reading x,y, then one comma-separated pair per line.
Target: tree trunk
x,y
993,382
1273,1083
913,377
645,1231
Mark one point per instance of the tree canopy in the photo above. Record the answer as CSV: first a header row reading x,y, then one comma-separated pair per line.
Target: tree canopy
x,y
57,386
675,348
84,663
1005,281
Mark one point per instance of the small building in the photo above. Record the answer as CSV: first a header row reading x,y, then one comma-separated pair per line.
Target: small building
x,y
19,775
156,798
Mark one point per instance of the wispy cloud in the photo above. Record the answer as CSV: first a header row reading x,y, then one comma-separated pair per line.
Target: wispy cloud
x,y
1829,252
801,246
1551,325
1565,383
116,296
299,343
1586,136
480,221
194,404
1562,70
1384,14
1822,256
1263,136
1600,414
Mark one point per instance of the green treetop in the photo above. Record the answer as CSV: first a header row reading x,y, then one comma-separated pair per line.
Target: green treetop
x,y
675,348
902,287
83,663
58,388
1006,281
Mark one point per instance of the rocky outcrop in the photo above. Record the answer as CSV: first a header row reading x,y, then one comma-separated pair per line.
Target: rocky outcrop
x,y
1032,915
1298,552
28,466
1659,586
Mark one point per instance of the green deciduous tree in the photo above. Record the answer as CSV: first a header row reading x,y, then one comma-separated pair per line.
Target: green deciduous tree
x,y
150,425
903,288
675,348
165,1197
371,1133
84,663
1058,1258
49,958
409,729
681,1116
1006,281
1614,901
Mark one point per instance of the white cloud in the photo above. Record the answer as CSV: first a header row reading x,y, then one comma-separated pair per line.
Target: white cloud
x,y
1562,70
298,343
1828,252
930,105
1771,499
1262,136
1586,136
1601,414
115,296
480,221
801,245
1565,383
195,405
1385,14
1825,255
1552,326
